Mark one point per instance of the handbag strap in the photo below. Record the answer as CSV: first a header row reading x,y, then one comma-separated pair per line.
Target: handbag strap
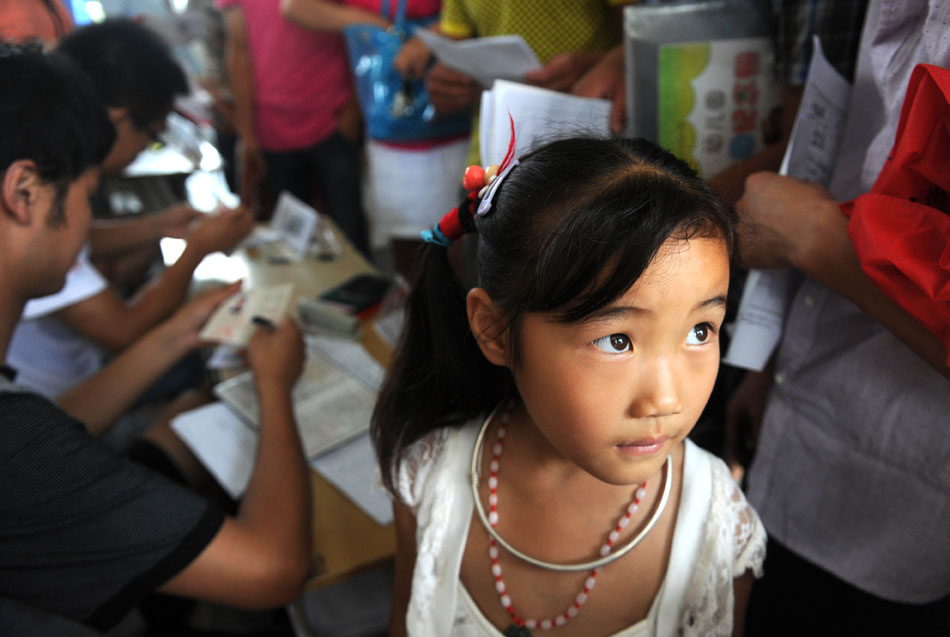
x,y
400,19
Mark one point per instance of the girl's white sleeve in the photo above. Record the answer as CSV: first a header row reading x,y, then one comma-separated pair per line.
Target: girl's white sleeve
x,y
750,536
415,467
733,542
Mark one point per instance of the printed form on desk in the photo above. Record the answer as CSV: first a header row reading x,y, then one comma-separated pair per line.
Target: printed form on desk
x,y
332,408
810,155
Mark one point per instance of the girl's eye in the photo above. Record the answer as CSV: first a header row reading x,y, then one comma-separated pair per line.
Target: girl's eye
x,y
613,344
699,334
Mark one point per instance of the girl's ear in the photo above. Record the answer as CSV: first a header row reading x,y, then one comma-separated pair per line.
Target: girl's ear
x,y
488,325
19,189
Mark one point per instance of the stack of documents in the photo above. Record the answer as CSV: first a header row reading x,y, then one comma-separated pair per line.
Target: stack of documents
x,y
333,403
539,115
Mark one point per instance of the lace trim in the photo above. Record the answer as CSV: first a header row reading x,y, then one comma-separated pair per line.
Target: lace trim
x,y
416,464
733,543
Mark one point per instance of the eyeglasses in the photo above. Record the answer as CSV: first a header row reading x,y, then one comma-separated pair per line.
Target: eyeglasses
x,y
153,134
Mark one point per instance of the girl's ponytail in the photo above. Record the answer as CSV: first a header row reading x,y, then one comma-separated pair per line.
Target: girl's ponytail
x,y
438,376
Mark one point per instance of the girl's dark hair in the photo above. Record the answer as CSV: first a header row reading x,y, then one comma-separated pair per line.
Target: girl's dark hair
x,y
572,227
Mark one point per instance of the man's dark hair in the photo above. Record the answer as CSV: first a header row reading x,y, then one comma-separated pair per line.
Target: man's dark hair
x,y
130,66
50,114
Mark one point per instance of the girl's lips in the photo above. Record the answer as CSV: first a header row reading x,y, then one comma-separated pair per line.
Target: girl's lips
x,y
643,446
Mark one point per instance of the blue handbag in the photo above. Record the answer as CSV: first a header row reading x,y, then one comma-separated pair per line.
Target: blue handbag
x,y
395,109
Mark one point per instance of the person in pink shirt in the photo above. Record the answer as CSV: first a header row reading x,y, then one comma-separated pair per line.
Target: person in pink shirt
x,y
46,20
293,97
406,184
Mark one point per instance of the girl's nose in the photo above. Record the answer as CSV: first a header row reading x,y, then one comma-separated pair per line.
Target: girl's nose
x,y
658,392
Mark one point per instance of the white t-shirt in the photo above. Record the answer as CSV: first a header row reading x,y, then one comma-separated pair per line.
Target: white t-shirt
x,y
717,537
49,356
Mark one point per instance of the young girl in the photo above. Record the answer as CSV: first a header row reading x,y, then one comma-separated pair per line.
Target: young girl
x,y
533,425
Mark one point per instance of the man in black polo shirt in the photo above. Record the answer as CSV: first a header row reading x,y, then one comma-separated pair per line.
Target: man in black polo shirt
x,y
84,534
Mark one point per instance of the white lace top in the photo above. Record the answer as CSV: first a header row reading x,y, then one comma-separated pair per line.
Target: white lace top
x,y
717,538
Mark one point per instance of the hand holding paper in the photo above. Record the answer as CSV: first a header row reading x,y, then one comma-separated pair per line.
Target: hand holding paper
x,y
186,323
782,218
451,91
562,71
276,355
484,59
233,322
221,231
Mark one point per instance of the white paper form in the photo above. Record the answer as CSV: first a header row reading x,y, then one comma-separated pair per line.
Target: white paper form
x,y
224,444
295,222
330,406
820,122
351,468
538,114
232,323
349,356
227,448
505,57
810,155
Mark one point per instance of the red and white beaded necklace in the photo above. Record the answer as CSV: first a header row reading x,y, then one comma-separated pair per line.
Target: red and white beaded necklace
x,y
606,551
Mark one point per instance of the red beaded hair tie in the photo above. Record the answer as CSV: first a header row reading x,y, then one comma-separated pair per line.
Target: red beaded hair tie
x,y
481,184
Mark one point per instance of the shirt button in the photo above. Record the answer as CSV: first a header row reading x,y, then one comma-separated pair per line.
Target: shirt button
x,y
809,300
780,378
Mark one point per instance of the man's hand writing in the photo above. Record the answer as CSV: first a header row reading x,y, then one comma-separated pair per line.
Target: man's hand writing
x,y
276,355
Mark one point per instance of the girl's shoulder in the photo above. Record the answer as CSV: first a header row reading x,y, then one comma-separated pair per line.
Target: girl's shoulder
x,y
733,519
422,462
722,538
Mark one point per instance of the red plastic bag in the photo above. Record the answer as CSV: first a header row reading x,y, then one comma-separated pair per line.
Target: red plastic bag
x,y
901,229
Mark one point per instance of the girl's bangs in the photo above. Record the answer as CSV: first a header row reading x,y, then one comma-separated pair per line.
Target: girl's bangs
x,y
595,253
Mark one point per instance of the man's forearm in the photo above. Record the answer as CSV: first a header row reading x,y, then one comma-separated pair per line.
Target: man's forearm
x,y
161,298
116,238
835,264
240,74
102,398
789,222
277,501
321,15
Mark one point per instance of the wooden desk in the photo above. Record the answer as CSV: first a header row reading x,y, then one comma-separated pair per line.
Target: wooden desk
x,y
345,540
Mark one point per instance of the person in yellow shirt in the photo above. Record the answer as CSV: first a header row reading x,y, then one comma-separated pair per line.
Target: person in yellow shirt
x,y
568,36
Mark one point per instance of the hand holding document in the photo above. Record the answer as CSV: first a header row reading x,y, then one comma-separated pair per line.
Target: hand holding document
x,y
233,322
485,59
810,156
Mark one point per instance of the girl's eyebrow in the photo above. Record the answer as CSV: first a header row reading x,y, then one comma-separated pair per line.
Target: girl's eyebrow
x,y
614,311
716,301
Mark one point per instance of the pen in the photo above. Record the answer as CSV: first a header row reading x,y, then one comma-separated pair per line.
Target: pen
x,y
264,322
